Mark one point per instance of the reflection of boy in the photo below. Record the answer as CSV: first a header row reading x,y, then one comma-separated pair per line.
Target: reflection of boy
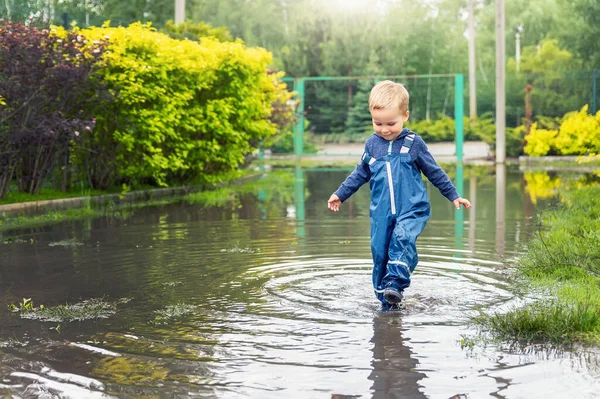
x,y
393,160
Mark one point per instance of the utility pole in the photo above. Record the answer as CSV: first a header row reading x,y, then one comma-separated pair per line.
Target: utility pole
x,y
500,85
472,77
48,10
179,11
285,17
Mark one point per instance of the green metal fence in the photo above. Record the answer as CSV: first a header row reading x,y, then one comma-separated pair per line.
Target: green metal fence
x,y
338,106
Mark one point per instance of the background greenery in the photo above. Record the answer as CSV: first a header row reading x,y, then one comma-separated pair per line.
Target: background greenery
x,y
559,52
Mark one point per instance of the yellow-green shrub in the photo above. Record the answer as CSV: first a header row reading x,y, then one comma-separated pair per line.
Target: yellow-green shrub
x,y
183,110
539,141
578,134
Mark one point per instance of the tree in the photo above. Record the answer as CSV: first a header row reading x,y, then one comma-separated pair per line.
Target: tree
x,y
359,119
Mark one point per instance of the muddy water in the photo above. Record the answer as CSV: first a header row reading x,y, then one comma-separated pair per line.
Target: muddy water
x,y
258,291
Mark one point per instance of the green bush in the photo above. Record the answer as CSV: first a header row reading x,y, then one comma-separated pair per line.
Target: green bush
x,y
578,134
184,110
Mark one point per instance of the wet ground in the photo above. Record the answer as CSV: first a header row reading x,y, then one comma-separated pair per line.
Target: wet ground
x,y
259,291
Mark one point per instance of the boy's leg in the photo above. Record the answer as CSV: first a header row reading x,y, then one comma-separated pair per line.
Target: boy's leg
x,y
381,232
403,257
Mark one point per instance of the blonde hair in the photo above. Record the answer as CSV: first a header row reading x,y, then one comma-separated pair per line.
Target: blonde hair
x,y
388,94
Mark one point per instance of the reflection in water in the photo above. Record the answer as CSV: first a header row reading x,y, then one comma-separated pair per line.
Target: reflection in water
x,y
393,367
459,215
500,208
281,297
299,204
472,212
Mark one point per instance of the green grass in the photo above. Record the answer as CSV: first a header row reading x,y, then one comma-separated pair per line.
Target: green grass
x,y
563,260
7,223
44,194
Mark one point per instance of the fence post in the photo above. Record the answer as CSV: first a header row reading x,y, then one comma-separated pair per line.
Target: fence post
x,y
459,115
299,126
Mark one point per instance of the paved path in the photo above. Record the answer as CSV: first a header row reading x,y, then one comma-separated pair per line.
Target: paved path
x,y
442,152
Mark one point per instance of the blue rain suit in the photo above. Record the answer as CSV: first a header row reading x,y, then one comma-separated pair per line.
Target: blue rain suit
x,y
400,206
399,211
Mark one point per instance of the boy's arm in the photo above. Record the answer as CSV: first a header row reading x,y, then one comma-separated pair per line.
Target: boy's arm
x,y
357,178
434,172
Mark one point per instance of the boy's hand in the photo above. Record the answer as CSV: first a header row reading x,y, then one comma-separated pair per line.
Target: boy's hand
x,y
333,203
465,202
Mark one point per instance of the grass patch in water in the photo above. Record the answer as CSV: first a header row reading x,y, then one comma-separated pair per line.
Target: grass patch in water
x,y
559,321
13,343
66,243
171,312
564,260
95,308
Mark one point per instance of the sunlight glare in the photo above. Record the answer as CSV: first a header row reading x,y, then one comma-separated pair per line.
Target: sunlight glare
x,y
352,5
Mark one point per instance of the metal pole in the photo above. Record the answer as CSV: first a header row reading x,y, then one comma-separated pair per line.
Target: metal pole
x,y
518,49
299,127
459,115
179,11
472,77
500,85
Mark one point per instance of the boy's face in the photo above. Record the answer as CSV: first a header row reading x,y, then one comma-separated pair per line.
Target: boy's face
x,y
388,122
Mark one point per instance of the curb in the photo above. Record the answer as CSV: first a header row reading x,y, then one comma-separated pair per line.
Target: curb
x,y
37,207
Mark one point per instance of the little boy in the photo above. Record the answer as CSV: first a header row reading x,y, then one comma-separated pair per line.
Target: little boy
x,y
393,160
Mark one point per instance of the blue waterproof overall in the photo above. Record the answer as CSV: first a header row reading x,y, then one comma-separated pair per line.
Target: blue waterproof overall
x,y
399,211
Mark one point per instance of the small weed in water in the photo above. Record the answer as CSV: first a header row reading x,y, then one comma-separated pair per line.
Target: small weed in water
x,y
13,343
239,250
26,305
163,316
15,240
66,243
172,283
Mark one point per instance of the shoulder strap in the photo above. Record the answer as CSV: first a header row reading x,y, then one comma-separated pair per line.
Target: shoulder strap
x,y
366,158
407,143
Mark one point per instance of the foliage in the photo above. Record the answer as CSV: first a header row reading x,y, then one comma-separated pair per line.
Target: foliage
x,y
562,261
283,143
548,69
573,232
196,31
540,141
184,109
48,97
359,118
578,134
315,38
